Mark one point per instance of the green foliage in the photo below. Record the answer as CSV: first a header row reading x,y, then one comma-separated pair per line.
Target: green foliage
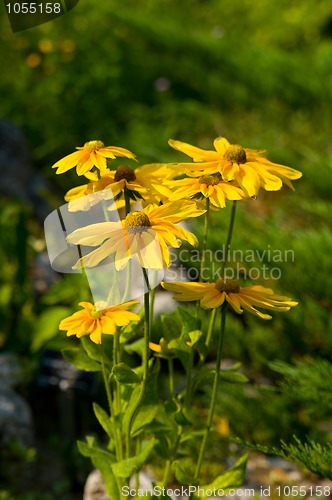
x,y
308,383
127,467
233,478
124,374
47,326
309,454
80,359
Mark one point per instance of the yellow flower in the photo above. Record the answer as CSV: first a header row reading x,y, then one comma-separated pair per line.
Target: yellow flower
x,y
248,167
95,322
115,180
145,233
92,154
213,295
161,348
208,186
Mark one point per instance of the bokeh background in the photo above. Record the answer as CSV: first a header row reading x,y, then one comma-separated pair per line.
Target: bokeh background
x,y
136,75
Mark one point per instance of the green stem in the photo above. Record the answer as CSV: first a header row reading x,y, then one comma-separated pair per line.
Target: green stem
x,y
171,375
187,397
171,460
210,329
205,238
229,238
152,297
145,361
117,391
176,444
214,392
127,201
109,400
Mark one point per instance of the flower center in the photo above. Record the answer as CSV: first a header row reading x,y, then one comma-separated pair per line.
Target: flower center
x,y
137,222
227,285
92,146
235,153
209,180
124,172
96,314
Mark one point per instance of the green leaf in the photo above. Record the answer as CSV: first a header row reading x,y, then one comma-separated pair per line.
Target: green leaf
x,y
136,347
195,335
233,478
144,417
188,321
124,374
181,474
102,460
171,327
127,467
80,359
206,376
103,419
131,404
47,326
233,377
92,350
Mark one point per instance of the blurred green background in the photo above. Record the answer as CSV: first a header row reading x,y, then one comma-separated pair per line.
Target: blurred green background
x,y
135,75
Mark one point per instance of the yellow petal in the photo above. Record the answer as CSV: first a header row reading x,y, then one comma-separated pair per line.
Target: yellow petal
x,y
67,162
195,153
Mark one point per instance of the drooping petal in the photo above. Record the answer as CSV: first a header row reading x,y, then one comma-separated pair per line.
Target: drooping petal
x,y
94,234
67,162
212,299
195,153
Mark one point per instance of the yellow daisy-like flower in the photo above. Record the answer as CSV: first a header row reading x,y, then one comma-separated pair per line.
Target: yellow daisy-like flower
x,y
248,167
92,154
117,180
145,233
213,295
96,322
208,186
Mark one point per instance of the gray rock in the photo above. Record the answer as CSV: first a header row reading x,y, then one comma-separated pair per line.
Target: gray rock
x,y
94,488
15,417
15,413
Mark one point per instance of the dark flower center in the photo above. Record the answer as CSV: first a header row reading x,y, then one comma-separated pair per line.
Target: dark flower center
x,y
235,153
209,180
227,285
124,172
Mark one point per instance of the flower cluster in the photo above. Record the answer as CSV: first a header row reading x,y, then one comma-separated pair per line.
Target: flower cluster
x,y
170,194
139,213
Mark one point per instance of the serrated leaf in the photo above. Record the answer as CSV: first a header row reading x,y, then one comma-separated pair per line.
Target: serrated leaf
x,y
81,360
233,478
124,374
103,419
127,467
47,326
